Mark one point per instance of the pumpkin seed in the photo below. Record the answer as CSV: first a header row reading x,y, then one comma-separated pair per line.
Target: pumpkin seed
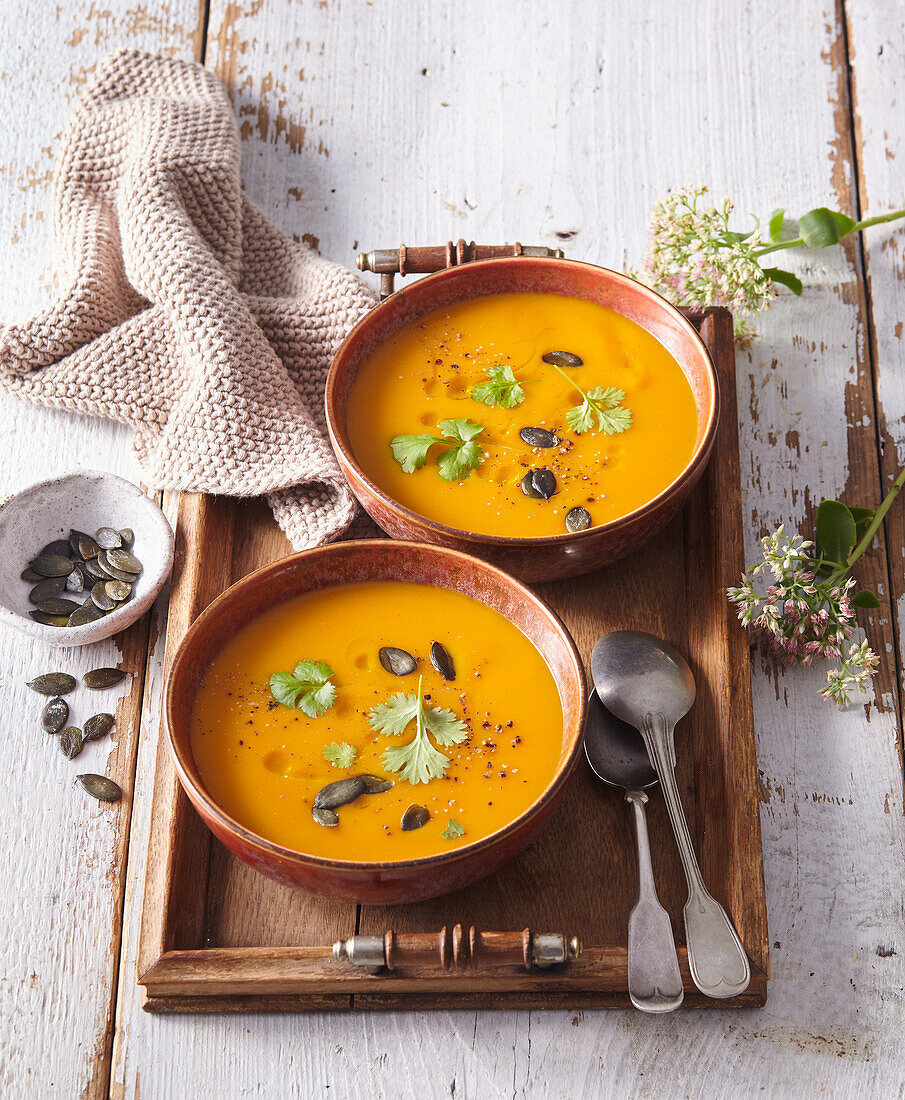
x,y
414,817
52,565
123,559
118,574
340,793
376,784
58,546
442,661
75,582
538,437
88,548
118,590
97,570
324,816
128,537
47,589
563,359
88,613
100,787
58,606
54,715
74,537
52,683
44,619
103,677
578,519
397,661
29,574
108,538
100,597
539,484
97,726
71,742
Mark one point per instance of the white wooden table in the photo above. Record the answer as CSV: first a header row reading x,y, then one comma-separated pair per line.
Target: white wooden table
x,y
365,124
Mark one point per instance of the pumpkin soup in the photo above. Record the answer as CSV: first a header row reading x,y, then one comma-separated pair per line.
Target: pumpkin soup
x,y
522,415
378,721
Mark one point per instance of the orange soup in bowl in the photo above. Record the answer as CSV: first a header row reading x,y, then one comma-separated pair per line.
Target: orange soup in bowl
x,y
522,414
377,721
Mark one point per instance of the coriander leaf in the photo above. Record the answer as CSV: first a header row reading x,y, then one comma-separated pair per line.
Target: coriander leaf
x,y
394,715
312,672
340,754
461,429
445,726
612,417
418,761
502,388
308,687
465,455
453,830
580,418
410,451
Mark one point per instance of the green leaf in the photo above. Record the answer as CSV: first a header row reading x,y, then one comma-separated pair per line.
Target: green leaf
x,y
863,518
502,388
786,278
453,830
836,533
340,754
580,418
602,406
776,220
410,451
462,455
821,227
865,598
308,687
418,761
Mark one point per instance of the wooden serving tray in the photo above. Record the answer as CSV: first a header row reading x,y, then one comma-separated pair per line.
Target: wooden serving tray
x,y
218,936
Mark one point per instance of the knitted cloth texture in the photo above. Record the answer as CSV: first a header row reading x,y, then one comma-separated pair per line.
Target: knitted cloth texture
x,y
186,314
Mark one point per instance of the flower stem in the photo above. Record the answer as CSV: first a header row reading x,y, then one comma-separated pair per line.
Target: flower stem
x,y
894,215
877,520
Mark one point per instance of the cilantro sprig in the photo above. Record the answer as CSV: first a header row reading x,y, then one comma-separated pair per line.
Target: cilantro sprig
x,y
502,388
453,830
418,761
603,405
462,455
308,687
340,754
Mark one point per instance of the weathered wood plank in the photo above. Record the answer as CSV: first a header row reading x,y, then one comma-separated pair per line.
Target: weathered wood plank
x,y
366,124
63,855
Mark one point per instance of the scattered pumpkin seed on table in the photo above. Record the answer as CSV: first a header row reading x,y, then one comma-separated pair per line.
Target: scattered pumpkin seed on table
x,y
52,683
99,678
100,787
55,715
71,742
97,726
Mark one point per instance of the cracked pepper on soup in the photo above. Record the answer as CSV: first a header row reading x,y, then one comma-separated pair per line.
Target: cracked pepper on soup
x,y
522,415
378,721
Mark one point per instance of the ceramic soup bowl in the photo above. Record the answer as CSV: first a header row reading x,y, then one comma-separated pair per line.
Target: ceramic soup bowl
x,y
350,563
544,557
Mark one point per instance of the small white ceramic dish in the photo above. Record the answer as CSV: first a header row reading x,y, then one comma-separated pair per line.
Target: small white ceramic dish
x,y
84,500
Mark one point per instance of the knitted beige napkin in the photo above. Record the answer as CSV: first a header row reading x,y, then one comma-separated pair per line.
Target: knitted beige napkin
x,y
186,314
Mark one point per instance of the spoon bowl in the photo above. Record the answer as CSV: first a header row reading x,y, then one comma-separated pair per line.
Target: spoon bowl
x,y
615,750
636,674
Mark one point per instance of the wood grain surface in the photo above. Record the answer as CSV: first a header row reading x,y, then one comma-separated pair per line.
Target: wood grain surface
x,y
366,124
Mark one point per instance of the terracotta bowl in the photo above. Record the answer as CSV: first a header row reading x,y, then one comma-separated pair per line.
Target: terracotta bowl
x,y
554,555
351,562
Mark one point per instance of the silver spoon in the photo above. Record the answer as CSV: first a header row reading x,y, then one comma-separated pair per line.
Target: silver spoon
x,y
617,756
646,683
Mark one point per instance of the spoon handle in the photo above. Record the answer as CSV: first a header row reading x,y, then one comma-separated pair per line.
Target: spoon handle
x,y
716,958
654,981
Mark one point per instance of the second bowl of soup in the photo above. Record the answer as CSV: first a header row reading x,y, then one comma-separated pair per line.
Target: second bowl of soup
x,y
543,414
376,721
